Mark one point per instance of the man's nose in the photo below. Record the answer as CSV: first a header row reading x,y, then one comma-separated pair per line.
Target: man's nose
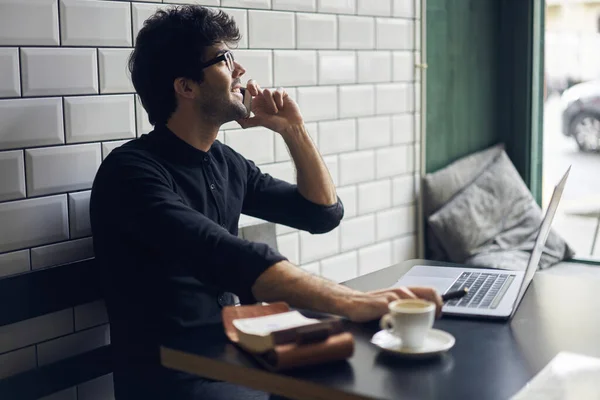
x,y
238,70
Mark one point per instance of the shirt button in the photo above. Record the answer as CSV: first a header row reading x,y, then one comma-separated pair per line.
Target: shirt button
x,y
205,158
212,186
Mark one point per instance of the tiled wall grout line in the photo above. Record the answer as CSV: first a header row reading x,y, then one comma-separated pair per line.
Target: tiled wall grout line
x,y
46,244
20,73
59,27
24,173
98,72
132,92
66,95
69,217
131,23
74,332
30,264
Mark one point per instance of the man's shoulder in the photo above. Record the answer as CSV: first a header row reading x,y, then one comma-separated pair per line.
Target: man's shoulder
x,y
136,150
131,159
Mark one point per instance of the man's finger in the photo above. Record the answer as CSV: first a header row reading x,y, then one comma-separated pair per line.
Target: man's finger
x,y
391,296
270,105
278,96
432,295
253,87
405,293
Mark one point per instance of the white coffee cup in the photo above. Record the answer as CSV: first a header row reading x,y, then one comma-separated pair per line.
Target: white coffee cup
x,y
410,320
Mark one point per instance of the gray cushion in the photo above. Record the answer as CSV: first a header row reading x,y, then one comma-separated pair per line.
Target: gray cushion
x,y
439,187
494,221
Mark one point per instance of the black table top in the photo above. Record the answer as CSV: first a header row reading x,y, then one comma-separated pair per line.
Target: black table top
x,y
490,360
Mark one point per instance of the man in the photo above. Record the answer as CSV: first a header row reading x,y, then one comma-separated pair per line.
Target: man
x,y
165,208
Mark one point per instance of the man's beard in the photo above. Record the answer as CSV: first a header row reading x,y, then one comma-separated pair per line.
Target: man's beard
x,y
221,109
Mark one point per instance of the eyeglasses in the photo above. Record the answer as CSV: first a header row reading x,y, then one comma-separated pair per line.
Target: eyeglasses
x,y
227,57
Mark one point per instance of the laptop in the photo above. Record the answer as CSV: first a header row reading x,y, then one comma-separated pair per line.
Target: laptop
x,y
492,293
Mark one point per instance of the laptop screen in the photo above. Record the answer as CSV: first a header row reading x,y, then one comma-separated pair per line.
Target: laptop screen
x,y
536,253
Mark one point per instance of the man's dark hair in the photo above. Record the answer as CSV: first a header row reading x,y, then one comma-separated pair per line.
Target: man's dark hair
x,y
172,44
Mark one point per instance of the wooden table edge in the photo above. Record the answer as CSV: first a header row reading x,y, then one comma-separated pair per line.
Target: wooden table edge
x,y
254,378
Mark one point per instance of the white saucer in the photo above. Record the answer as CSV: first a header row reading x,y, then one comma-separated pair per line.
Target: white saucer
x,y
436,342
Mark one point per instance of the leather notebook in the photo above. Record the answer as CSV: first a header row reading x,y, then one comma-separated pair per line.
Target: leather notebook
x,y
321,342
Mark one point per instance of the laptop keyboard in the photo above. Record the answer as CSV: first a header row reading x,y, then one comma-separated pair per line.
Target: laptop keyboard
x,y
485,289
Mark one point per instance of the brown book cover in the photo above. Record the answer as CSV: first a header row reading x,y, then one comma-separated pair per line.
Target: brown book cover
x,y
313,344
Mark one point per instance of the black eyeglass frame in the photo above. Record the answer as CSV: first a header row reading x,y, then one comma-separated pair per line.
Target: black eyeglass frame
x,y
227,57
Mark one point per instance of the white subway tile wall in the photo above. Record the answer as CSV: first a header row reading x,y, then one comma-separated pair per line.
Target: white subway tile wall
x,y
350,200
288,245
12,179
61,253
33,222
316,31
356,32
50,169
375,7
337,6
29,23
357,232
31,122
17,361
337,136
95,23
357,100
318,103
66,101
97,389
34,330
263,24
374,258
95,118
55,71
79,216
14,262
10,85
258,65
337,67
374,66
70,345
340,268
90,314
374,132
374,196
295,68
295,5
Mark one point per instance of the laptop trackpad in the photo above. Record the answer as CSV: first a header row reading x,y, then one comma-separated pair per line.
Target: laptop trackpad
x,y
440,284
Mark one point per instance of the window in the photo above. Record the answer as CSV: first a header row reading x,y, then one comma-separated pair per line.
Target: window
x,y
572,136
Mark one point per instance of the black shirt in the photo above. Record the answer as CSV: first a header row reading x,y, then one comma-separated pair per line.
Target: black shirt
x,y
164,219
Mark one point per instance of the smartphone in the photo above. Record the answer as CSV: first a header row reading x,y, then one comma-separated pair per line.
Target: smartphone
x,y
247,101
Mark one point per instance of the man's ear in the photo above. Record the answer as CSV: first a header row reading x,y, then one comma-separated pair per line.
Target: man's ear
x,y
185,88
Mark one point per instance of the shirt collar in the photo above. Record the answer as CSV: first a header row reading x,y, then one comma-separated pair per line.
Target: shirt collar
x,y
175,149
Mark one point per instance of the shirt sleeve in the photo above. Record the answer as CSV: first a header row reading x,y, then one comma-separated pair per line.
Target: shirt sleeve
x,y
279,201
137,194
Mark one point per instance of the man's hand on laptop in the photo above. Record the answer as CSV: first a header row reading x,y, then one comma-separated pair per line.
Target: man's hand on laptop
x,y
373,305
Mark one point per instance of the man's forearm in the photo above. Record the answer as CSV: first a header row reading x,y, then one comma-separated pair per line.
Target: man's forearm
x,y
286,282
313,178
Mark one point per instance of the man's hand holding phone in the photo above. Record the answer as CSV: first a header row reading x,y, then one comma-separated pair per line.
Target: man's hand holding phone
x,y
272,109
